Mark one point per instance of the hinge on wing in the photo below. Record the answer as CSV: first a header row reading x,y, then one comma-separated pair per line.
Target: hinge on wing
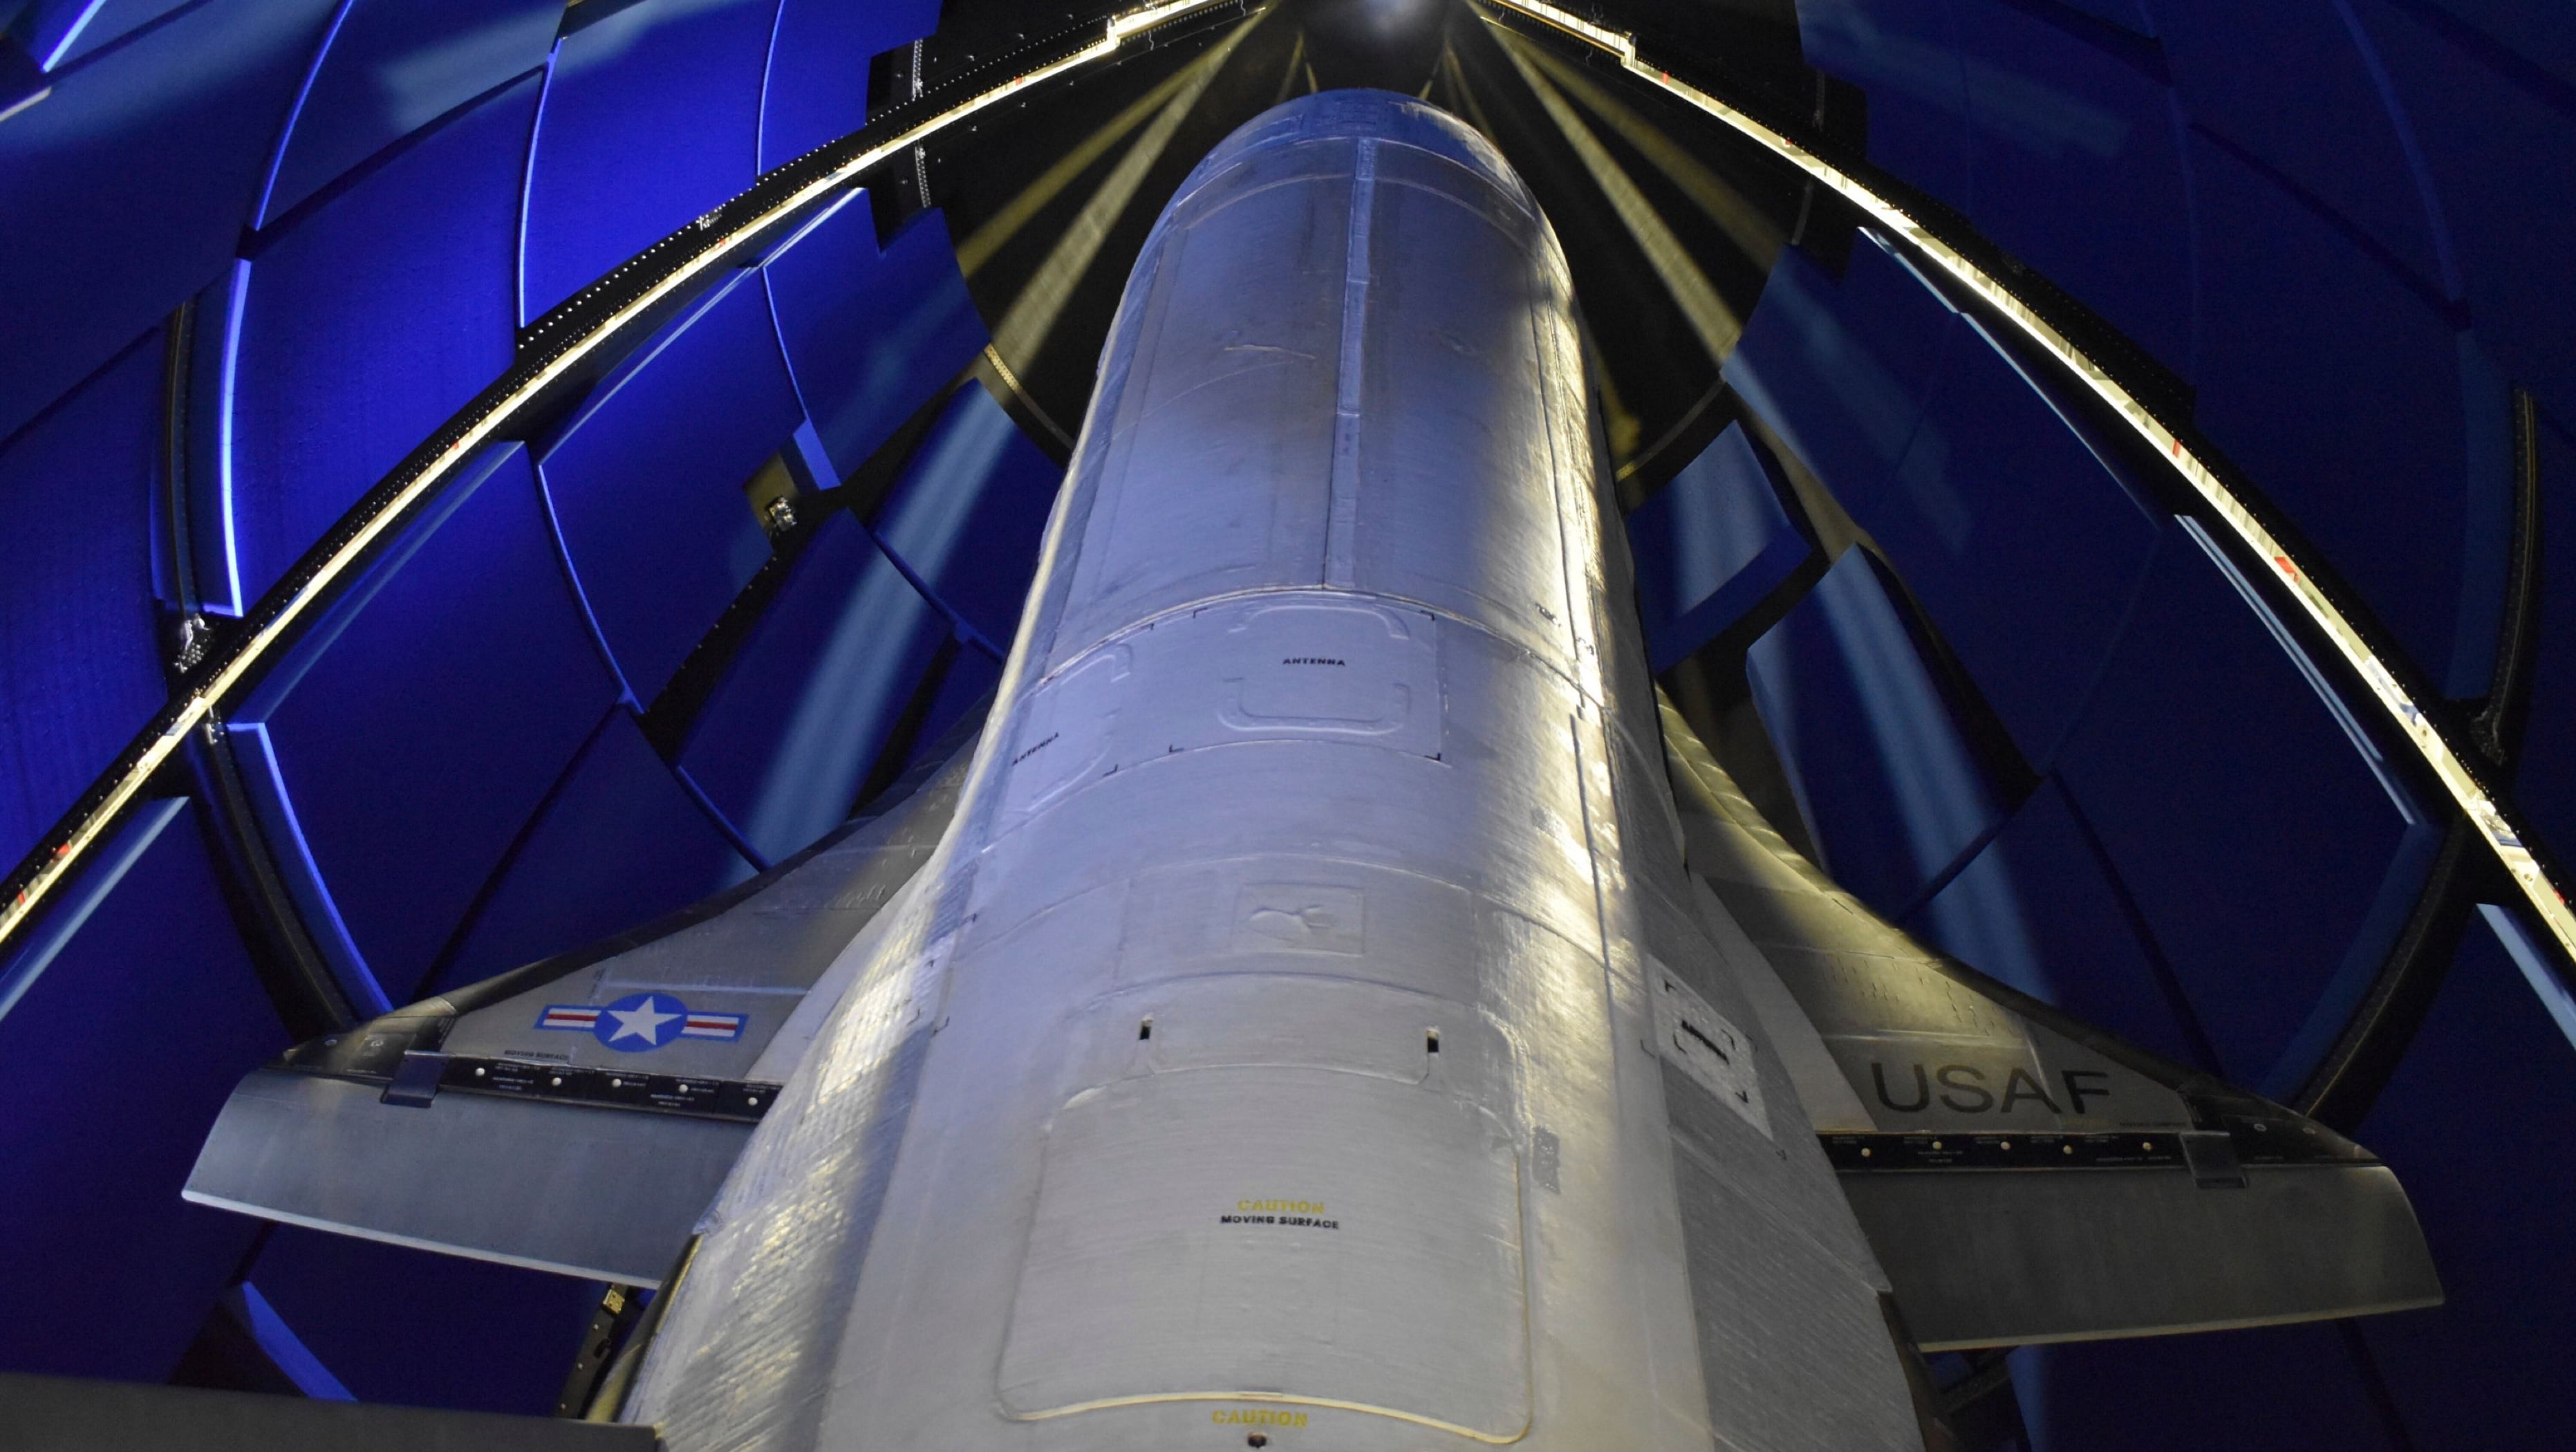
x,y
2211,1156
415,1080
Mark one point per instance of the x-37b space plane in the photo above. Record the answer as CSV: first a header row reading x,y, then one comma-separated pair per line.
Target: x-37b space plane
x,y
1333,1002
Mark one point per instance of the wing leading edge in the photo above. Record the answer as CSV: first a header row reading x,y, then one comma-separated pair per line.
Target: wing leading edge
x,y
2022,1176
578,1114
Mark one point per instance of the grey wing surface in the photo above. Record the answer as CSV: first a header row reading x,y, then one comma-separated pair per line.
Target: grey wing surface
x,y
578,1114
2023,1176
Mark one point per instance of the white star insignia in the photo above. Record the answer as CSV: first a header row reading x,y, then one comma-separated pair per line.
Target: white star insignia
x,y
644,1022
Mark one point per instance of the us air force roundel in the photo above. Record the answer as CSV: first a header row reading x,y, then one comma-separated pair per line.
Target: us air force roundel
x,y
641,1021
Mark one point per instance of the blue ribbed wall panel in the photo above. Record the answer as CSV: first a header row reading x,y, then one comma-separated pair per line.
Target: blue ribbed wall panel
x,y
1905,54
969,511
1708,547
2490,123
2285,82
2472,1124
646,481
416,1327
2540,37
115,1060
2329,357
141,166
818,68
2036,909
79,668
2370,462
394,66
2078,164
364,327
1841,367
435,711
2545,779
1887,782
274,829
2056,136
784,746
652,116
870,338
2247,825
620,843
2129,15
2024,549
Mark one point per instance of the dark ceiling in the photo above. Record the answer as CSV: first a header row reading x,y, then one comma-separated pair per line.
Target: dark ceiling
x,y
1051,197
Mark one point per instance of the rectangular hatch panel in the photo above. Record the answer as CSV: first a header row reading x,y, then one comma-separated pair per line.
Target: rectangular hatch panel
x,y
1310,1236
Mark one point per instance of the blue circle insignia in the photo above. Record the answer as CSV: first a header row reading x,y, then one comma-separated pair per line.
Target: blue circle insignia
x,y
641,1021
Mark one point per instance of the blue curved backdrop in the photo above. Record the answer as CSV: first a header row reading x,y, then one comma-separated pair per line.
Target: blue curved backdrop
x,y
257,249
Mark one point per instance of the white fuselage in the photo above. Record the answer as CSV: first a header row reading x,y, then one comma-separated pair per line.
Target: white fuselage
x,y
1277,1046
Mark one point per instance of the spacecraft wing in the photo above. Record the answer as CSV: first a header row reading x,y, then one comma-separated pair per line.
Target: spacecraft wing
x,y
2022,1176
577,1114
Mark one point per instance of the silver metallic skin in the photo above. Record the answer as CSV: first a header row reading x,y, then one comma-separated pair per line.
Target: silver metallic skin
x,y
1334,997
570,1188
1293,1034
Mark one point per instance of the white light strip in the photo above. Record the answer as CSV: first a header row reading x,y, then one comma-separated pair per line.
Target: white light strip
x,y
1123,26
253,655
2483,813
1622,46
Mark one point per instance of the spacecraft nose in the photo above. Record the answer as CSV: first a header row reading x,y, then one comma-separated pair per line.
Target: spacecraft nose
x,y
1382,115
